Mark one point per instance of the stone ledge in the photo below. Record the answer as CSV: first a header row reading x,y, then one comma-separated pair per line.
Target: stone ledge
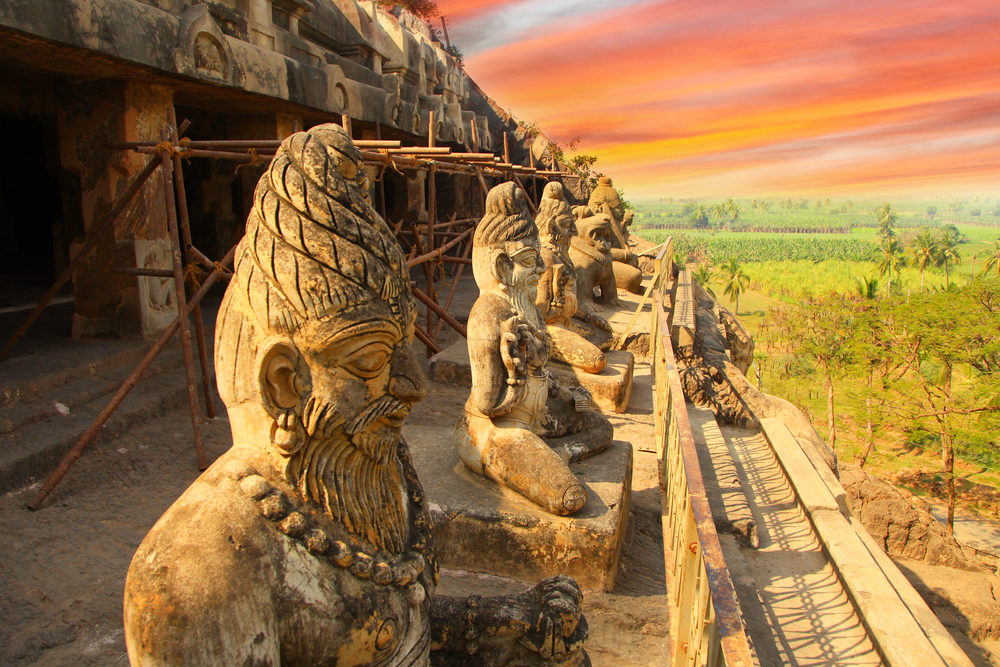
x,y
895,618
481,527
611,388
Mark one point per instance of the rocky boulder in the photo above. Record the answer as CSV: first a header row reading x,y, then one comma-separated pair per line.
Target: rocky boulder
x,y
900,524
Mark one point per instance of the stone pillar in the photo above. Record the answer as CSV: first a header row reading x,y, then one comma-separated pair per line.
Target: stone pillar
x,y
90,116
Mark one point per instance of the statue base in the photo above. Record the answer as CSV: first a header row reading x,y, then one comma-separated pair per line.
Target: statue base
x,y
611,388
480,526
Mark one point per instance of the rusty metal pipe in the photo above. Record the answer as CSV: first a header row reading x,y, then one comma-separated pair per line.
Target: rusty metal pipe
x,y
96,231
431,255
419,332
182,304
440,312
456,277
198,255
185,230
152,273
263,157
133,379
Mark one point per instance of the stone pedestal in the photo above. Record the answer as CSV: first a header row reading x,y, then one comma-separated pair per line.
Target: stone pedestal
x,y
611,388
481,527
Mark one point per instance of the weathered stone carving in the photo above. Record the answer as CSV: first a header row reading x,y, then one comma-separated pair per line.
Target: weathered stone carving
x,y
202,49
161,293
556,298
590,251
604,199
499,435
209,58
310,541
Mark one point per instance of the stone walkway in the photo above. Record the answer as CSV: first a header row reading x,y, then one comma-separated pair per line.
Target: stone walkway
x,y
795,607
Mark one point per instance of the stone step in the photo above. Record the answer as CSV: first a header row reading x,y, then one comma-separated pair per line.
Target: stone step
x,y
81,376
74,393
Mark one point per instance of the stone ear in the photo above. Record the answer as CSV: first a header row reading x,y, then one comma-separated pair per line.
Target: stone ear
x,y
503,268
279,381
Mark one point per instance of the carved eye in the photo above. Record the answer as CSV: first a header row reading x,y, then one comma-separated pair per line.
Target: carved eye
x,y
527,258
368,361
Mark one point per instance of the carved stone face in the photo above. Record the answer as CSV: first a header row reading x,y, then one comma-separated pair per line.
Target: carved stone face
x,y
526,267
596,230
361,367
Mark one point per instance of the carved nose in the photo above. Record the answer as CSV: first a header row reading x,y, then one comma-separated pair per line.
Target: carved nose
x,y
407,380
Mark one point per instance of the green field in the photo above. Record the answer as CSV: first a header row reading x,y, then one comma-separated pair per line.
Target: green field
x,y
787,271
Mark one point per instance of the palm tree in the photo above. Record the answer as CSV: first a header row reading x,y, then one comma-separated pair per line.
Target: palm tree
x,y
890,258
704,276
867,288
992,261
734,210
948,253
925,253
887,220
734,281
700,217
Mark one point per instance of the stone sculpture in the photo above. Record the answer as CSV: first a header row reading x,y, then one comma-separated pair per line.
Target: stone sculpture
x,y
309,542
605,199
514,401
590,252
569,328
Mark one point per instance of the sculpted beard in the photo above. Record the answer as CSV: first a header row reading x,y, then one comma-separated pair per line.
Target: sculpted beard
x,y
350,470
522,296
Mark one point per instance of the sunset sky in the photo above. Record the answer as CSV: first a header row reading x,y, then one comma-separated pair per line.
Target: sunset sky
x,y
757,97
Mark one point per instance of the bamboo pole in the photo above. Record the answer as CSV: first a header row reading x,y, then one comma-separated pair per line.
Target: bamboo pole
x,y
91,433
182,304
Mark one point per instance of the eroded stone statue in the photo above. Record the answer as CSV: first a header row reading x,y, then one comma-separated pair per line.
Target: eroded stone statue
x,y
568,327
514,401
604,199
590,252
309,542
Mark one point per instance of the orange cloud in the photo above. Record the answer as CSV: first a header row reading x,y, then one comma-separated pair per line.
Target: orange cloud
x,y
765,96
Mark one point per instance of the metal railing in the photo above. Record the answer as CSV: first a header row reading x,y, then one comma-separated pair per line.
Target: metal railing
x,y
709,628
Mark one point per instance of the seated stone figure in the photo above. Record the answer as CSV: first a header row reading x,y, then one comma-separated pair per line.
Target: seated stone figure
x,y
569,328
310,542
590,252
514,401
604,199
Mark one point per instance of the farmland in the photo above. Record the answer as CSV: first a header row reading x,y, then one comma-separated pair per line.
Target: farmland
x,y
809,262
